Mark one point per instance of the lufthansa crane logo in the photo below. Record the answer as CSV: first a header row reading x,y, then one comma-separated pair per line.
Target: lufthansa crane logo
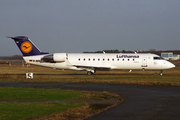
x,y
26,47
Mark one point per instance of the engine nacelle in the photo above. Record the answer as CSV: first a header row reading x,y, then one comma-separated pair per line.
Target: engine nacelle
x,y
59,57
56,57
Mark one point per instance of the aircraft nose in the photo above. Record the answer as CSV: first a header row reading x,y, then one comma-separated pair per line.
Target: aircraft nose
x,y
170,65
173,66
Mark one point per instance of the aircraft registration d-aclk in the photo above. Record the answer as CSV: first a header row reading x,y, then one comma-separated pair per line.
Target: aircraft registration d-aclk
x,y
89,62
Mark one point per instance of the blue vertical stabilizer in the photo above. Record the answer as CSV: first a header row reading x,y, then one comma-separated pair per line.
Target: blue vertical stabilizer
x,y
26,46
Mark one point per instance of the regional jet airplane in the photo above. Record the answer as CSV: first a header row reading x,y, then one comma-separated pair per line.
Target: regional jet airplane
x,y
89,62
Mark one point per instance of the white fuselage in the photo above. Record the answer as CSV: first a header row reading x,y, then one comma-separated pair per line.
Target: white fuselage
x,y
91,62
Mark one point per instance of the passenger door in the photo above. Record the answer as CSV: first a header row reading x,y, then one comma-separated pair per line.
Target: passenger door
x,y
144,62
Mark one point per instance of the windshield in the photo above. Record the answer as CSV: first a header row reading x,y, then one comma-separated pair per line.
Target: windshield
x,y
158,58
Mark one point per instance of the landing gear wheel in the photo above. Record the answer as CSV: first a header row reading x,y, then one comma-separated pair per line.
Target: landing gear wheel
x,y
89,72
161,73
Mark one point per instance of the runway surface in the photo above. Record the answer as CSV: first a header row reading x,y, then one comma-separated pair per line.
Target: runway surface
x,y
141,102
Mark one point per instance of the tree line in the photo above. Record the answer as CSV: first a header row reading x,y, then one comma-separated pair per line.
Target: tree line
x,y
13,57
158,52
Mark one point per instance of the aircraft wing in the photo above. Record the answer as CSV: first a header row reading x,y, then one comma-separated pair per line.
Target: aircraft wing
x,y
92,68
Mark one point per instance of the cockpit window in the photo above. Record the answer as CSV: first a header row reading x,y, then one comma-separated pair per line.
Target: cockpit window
x,y
158,58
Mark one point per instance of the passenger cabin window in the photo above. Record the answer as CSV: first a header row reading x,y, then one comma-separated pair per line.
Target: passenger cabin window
x,y
158,58
79,59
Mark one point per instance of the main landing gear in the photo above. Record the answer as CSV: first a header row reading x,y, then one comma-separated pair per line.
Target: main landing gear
x,y
91,72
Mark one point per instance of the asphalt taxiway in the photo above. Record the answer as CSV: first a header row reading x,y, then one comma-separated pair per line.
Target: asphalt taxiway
x,y
141,102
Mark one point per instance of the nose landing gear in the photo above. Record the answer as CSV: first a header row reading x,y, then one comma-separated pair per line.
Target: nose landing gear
x,y
161,73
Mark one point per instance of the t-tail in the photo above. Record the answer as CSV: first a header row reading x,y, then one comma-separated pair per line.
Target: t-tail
x,y
26,46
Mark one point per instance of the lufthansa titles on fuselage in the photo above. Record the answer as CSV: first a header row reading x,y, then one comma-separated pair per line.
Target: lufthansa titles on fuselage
x,y
127,56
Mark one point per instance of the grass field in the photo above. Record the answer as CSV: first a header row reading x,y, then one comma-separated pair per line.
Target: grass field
x,y
36,94
23,111
15,110
33,103
16,73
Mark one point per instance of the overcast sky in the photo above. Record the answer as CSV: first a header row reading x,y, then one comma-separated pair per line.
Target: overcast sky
x,y
90,25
